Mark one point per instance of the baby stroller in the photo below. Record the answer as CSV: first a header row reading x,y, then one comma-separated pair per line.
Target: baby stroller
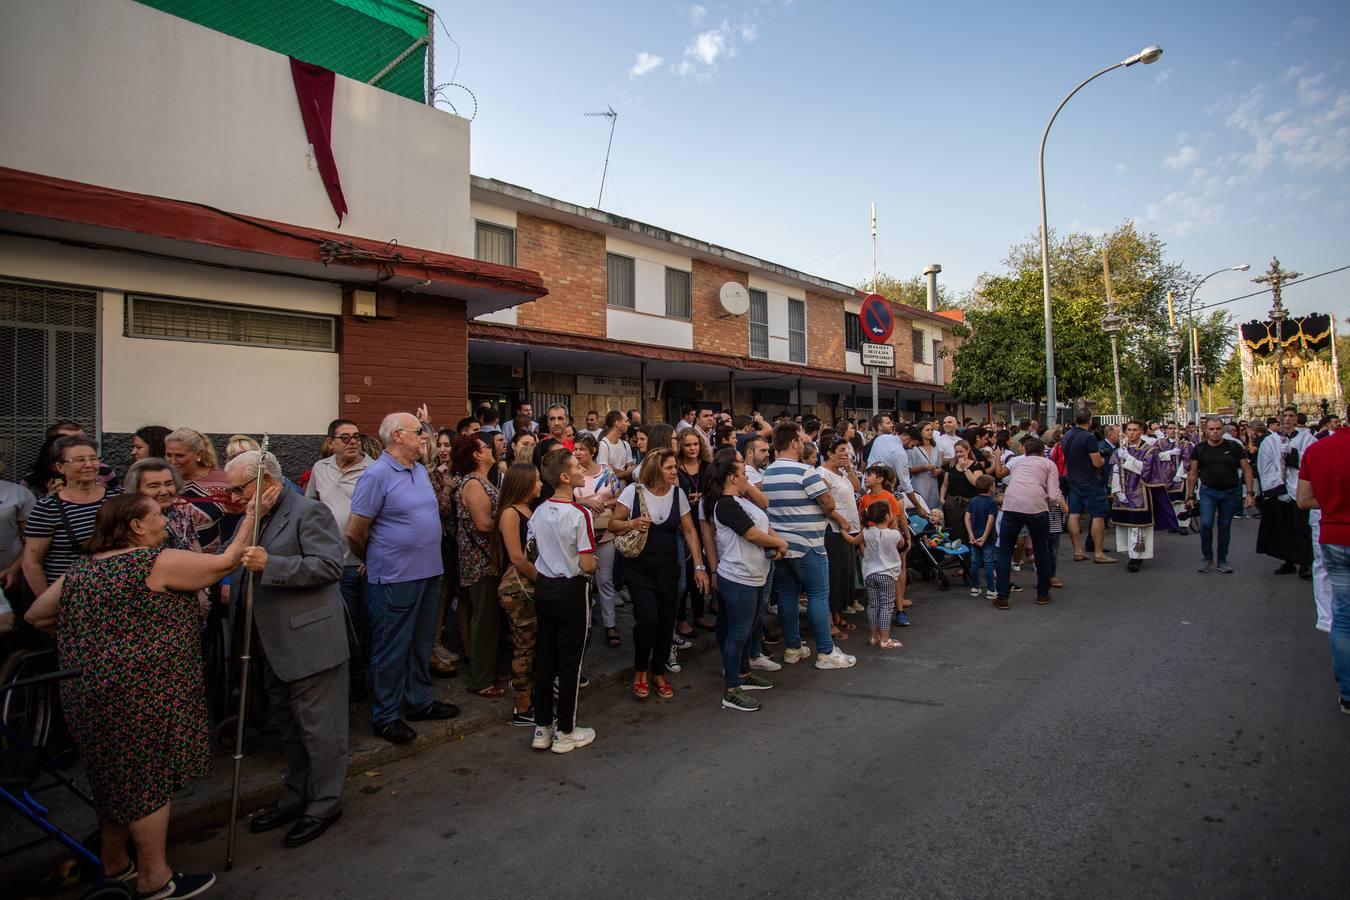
x,y
21,765
934,553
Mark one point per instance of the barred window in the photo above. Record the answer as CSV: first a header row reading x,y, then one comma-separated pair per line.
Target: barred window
x,y
852,332
796,330
677,294
494,243
159,318
917,342
620,290
759,324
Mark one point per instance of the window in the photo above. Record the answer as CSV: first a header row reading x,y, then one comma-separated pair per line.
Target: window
x,y
852,332
225,323
759,324
494,244
619,287
917,341
796,330
677,294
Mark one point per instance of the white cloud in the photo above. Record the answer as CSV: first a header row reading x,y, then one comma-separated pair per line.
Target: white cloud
x,y
749,32
645,63
1181,213
1184,158
709,45
697,13
1310,92
1301,24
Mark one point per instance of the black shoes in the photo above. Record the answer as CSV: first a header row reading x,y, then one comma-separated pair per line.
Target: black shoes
x,y
436,710
523,719
1305,572
271,818
1133,565
396,732
1286,569
309,828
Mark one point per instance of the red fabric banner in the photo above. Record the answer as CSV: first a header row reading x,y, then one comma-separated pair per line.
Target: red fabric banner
x,y
314,90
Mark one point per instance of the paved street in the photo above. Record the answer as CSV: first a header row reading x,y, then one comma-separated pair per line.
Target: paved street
x,y
1146,735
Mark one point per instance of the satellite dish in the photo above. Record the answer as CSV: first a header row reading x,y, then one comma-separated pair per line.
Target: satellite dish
x,y
735,299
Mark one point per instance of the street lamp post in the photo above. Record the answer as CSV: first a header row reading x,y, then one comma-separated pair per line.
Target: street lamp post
x,y
1146,56
1194,381
1174,348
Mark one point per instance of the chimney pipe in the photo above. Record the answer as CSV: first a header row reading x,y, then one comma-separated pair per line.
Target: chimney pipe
x,y
932,273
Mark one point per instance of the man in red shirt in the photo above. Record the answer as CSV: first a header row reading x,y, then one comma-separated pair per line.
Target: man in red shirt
x,y
1324,485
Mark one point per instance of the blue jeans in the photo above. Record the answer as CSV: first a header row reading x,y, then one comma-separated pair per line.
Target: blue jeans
x,y
810,572
1038,528
740,606
757,628
1336,558
982,558
402,631
1227,502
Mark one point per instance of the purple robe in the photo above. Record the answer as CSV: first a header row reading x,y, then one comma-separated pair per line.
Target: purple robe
x,y
1131,502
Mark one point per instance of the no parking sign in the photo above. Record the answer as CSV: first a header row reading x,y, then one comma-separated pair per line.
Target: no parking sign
x,y
877,319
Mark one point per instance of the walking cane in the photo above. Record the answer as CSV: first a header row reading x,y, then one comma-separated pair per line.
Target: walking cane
x,y
250,584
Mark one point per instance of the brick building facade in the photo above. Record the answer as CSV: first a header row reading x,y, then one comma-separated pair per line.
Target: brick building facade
x,y
634,316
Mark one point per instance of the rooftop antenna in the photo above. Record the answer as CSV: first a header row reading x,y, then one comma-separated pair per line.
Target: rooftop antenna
x,y
613,117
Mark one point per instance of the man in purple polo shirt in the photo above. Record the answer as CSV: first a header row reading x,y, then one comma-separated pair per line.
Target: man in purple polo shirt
x,y
395,529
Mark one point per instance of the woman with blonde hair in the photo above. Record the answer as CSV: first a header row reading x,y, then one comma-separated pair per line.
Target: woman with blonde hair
x,y
204,486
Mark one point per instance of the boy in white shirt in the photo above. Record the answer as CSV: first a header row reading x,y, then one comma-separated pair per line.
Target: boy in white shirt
x,y
562,534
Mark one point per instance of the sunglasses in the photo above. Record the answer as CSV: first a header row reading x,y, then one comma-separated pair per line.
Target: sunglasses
x,y
347,438
420,429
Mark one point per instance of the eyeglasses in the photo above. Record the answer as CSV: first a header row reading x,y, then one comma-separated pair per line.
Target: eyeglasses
x,y
420,429
81,461
236,491
347,438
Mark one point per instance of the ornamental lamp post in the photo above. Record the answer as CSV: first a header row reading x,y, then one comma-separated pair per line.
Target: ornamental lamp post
x,y
1174,348
1111,324
1146,56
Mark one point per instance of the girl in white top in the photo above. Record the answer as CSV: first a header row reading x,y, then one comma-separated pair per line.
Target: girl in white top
x,y
883,544
597,495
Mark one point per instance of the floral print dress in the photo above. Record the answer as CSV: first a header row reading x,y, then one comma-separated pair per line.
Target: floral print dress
x,y
138,710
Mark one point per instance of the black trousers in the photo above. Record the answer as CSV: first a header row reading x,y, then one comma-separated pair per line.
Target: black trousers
x,y
563,614
652,585
840,554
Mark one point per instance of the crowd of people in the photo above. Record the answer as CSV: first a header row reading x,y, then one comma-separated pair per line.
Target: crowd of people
x,y
497,549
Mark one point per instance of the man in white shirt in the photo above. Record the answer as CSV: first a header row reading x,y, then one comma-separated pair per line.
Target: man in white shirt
x,y
524,418
686,419
756,457
893,450
946,441
614,451
332,481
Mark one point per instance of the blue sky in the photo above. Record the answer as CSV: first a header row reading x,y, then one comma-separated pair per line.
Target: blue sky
x,y
769,126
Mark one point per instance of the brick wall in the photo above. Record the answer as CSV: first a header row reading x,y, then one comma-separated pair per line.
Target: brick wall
x,y
572,263
712,332
419,355
903,342
824,332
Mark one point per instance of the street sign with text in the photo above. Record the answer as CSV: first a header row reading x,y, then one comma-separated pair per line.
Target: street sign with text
x,y
881,356
877,318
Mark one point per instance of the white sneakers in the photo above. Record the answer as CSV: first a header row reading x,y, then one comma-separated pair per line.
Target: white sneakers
x,y
791,656
765,663
567,741
975,592
836,659
543,737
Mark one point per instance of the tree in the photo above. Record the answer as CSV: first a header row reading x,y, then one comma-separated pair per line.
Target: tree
x,y
1228,385
909,291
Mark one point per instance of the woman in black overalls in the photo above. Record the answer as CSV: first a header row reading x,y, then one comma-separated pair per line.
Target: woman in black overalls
x,y
652,577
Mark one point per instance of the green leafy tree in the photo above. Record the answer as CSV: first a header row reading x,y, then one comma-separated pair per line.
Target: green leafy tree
x,y
909,291
1228,384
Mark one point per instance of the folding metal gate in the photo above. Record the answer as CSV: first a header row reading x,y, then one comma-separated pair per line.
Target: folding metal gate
x,y
48,365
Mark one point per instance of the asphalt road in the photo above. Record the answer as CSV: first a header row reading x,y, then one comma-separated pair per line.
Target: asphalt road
x,y
1160,734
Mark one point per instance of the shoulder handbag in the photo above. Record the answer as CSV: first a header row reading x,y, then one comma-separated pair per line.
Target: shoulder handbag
x,y
75,543
631,543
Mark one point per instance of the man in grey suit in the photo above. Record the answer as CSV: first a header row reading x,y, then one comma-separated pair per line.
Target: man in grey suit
x,y
298,615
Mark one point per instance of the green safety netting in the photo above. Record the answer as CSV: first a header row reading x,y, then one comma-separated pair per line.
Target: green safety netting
x,y
355,38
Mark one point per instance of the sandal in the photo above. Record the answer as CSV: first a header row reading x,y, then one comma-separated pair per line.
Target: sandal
x,y
492,690
906,603
838,635
1079,557
641,689
890,644
612,636
664,690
